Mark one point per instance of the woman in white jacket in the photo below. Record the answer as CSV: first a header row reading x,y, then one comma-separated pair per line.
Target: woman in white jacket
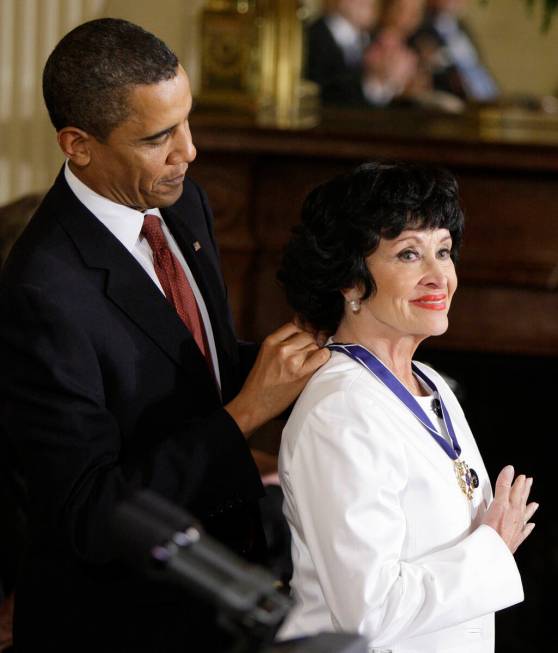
x,y
395,532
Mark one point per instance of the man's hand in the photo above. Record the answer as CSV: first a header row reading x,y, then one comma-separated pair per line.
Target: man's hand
x,y
390,61
286,360
509,513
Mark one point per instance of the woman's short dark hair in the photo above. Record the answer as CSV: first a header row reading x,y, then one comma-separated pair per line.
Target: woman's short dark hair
x,y
342,223
90,73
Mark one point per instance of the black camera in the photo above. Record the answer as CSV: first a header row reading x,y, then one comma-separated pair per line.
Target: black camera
x,y
168,544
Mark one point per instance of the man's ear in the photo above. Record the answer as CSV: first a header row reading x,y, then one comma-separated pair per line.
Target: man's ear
x,y
76,145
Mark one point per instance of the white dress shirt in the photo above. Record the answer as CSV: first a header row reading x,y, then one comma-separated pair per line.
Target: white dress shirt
x,y
125,224
477,81
351,40
384,542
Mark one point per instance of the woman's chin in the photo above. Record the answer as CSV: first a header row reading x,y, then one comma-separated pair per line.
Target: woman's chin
x,y
440,328
435,327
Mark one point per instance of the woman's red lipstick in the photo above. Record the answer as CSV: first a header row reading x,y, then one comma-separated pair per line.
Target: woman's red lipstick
x,y
431,302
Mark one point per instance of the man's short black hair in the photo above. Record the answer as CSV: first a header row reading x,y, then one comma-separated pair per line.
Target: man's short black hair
x,y
89,74
342,223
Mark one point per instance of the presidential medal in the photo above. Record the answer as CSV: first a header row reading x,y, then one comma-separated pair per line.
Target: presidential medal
x,y
467,478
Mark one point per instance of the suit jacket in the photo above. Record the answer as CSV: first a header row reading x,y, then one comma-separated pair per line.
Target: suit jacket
x,y
103,392
384,541
446,76
339,83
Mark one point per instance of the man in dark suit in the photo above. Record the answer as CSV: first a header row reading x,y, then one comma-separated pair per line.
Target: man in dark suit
x,y
121,370
350,67
335,50
446,43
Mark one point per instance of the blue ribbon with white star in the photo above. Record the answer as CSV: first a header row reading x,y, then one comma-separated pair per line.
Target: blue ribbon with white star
x,y
368,360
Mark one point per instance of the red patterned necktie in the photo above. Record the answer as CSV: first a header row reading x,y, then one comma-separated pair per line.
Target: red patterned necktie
x,y
175,283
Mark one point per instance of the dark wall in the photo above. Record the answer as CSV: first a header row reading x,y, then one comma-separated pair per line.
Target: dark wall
x,y
510,402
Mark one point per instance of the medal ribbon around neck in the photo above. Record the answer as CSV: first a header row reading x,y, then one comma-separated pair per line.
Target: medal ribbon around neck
x,y
467,478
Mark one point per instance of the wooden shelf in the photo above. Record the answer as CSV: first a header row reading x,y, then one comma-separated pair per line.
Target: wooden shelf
x,y
257,177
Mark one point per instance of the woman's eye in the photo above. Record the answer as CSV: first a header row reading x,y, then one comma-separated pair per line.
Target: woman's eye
x,y
408,255
444,253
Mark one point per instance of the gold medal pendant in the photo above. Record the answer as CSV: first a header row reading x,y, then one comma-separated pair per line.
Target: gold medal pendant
x,y
467,478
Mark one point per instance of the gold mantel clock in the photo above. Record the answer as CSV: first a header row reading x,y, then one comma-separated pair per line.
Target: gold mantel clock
x,y
229,39
252,61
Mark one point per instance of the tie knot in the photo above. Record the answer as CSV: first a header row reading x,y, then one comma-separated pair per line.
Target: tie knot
x,y
153,232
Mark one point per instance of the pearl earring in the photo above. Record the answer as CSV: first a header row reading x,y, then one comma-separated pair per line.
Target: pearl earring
x,y
355,305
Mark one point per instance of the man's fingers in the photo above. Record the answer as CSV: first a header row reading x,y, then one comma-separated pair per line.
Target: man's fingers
x,y
298,322
290,337
297,342
303,325
315,360
283,332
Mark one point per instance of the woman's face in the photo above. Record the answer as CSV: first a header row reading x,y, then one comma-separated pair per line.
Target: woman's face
x,y
415,281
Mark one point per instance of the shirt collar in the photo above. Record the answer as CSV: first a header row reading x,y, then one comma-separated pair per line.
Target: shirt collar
x,y
343,32
122,221
446,24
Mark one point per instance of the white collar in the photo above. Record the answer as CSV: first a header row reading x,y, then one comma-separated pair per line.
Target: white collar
x,y
446,24
122,221
344,33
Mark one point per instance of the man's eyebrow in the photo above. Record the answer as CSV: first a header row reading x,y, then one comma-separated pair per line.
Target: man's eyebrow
x,y
154,137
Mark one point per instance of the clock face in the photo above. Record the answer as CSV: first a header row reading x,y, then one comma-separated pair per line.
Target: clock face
x,y
226,39
224,54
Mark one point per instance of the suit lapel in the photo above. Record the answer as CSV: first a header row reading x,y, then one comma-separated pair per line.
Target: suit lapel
x,y
128,286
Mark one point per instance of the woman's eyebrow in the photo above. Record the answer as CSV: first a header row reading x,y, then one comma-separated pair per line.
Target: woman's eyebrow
x,y
416,238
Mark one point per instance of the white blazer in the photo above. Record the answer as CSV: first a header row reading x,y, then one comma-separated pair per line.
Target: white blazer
x,y
384,543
